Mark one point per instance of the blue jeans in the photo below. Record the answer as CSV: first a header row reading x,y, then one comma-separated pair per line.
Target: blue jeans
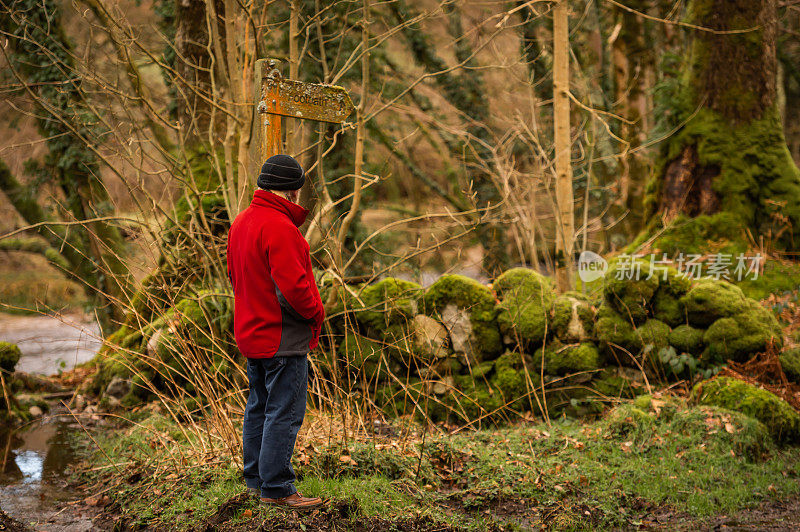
x,y
275,409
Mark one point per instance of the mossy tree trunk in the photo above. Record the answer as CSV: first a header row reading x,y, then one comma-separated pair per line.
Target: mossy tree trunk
x,y
728,159
633,60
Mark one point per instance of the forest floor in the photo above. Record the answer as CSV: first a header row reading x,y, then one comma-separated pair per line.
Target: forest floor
x,y
663,464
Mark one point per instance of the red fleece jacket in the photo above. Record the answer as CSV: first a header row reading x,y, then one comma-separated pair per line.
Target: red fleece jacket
x,y
277,307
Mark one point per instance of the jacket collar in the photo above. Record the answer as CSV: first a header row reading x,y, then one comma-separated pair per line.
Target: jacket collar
x,y
296,213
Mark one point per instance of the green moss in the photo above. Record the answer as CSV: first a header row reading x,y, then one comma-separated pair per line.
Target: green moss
x,y
363,356
610,384
742,335
342,315
709,300
477,300
776,278
722,232
790,362
514,374
475,400
756,175
630,295
668,308
781,420
572,317
9,356
615,332
388,302
687,339
525,300
560,359
654,333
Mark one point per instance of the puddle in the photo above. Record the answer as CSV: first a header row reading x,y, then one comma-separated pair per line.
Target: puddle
x,y
34,462
50,344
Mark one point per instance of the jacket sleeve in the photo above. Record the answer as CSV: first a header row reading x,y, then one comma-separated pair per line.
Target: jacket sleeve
x,y
287,253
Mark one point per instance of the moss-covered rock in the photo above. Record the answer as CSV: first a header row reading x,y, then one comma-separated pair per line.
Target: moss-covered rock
x,y
615,332
710,300
512,372
475,400
525,299
428,337
782,421
609,383
561,359
687,339
668,308
453,297
573,317
342,313
363,356
654,333
629,288
9,356
390,301
742,335
790,362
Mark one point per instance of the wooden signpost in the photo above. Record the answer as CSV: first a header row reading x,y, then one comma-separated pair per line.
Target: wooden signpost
x,y
294,99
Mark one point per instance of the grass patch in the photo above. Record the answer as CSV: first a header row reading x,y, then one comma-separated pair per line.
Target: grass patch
x,y
695,460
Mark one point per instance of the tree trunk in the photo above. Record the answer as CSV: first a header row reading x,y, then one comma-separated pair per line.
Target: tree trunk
x,y
632,59
565,221
727,171
193,63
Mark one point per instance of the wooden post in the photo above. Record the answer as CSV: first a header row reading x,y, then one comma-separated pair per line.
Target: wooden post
x,y
565,222
271,140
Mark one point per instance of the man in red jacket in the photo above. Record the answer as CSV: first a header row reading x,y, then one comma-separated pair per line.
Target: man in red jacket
x,y
277,319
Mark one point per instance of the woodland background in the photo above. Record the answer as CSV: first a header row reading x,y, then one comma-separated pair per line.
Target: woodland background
x,y
491,144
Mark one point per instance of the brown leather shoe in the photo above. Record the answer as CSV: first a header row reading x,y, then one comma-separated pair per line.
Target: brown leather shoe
x,y
295,502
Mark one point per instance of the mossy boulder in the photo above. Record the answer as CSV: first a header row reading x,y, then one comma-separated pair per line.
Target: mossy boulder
x,y
782,421
616,333
742,335
561,359
475,400
9,356
363,356
511,373
629,287
390,301
687,339
573,317
525,299
428,337
342,313
710,300
790,362
610,383
654,333
668,308
467,310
